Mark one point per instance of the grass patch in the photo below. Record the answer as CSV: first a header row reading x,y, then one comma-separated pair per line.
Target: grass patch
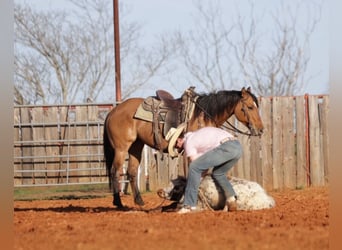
x,y
61,192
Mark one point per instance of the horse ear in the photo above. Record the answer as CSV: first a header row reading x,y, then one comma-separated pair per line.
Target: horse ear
x,y
249,89
243,91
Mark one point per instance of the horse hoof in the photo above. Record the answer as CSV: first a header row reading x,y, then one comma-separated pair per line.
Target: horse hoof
x,y
118,206
139,202
117,200
123,208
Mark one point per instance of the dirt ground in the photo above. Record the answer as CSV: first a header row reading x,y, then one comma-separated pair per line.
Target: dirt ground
x,y
300,220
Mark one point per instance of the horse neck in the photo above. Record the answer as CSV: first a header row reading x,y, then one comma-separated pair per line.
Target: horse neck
x,y
230,105
225,117
217,121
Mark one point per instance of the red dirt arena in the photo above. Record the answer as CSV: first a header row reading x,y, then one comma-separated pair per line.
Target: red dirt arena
x,y
300,220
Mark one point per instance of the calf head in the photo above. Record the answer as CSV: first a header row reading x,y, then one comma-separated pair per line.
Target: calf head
x,y
175,191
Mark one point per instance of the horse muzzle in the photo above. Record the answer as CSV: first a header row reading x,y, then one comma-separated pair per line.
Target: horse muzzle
x,y
256,131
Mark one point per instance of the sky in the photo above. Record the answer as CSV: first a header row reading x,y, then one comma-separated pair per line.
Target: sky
x,y
162,16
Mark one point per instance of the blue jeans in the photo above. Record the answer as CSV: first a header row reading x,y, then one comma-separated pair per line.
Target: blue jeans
x,y
222,159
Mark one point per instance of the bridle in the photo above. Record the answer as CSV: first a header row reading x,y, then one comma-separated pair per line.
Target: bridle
x,y
244,109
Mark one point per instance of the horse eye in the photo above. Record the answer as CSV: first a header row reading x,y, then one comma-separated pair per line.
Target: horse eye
x,y
250,108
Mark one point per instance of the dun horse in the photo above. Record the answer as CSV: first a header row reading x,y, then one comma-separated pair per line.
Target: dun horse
x,y
124,134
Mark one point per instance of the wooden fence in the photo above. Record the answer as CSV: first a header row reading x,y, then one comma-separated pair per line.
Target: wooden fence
x,y
59,145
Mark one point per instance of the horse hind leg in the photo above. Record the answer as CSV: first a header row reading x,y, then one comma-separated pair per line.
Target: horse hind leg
x,y
132,171
116,171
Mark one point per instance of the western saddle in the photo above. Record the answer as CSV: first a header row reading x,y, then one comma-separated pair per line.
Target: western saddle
x,y
169,111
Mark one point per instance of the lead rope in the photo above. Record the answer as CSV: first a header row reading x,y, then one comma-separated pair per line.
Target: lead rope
x,y
151,209
204,199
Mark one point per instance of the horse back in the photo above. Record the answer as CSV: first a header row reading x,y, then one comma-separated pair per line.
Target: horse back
x,y
126,108
124,128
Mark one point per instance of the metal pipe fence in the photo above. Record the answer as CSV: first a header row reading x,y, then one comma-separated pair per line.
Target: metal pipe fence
x,y
59,144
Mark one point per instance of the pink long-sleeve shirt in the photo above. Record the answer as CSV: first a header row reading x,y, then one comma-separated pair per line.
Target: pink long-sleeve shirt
x,y
201,141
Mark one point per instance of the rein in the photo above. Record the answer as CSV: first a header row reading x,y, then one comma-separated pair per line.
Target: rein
x,y
235,129
232,127
152,209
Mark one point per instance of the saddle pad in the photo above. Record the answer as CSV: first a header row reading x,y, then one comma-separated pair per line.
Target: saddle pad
x,y
142,114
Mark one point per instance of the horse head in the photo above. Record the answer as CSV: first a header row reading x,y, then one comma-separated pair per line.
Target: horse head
x,y
247,112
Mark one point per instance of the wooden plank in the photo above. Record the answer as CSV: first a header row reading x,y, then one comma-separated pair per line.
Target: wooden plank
x,y
152,169
39,150
255,162
93,147
325,136
145,163
141,178
316,161
266,143
163,169
102,113
143,171
289,163
238,169
17,150
173,167
82,134
103,164
246,153
71,134
182,165
26,135
52,133
277,149
64,148
302,173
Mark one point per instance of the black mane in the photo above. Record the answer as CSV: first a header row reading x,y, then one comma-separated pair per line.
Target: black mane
x,y
215,103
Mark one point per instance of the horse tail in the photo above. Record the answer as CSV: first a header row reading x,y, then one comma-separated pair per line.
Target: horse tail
x,y
108,152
